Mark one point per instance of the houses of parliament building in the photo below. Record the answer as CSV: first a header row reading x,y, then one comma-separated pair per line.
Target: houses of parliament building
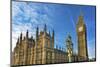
x,y
41,50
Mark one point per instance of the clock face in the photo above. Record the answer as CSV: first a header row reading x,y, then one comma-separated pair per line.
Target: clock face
x,y
80,29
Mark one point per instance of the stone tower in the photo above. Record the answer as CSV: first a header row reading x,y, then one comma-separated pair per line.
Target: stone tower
x,y
82,40
69,48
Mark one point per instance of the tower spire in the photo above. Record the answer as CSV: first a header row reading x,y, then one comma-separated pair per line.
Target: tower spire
x,y
21,37
45,28
53,34
37,33
49,33
69,45
81,14
27,34
80,18
53,39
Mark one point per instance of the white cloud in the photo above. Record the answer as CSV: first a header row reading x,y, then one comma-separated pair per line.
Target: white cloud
x,y
27,17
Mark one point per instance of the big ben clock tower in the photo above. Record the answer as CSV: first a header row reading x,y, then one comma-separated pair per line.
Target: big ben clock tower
x,y
82,40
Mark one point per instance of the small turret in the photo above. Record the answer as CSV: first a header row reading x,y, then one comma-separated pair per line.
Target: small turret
x,y
53,39
27,34
45,28
37,33
53,35
21,37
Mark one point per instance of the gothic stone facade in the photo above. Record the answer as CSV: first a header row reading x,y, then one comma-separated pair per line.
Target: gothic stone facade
x,y
37,51
29,51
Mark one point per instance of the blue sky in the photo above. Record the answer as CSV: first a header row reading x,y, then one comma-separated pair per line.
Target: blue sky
x,y
62,18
